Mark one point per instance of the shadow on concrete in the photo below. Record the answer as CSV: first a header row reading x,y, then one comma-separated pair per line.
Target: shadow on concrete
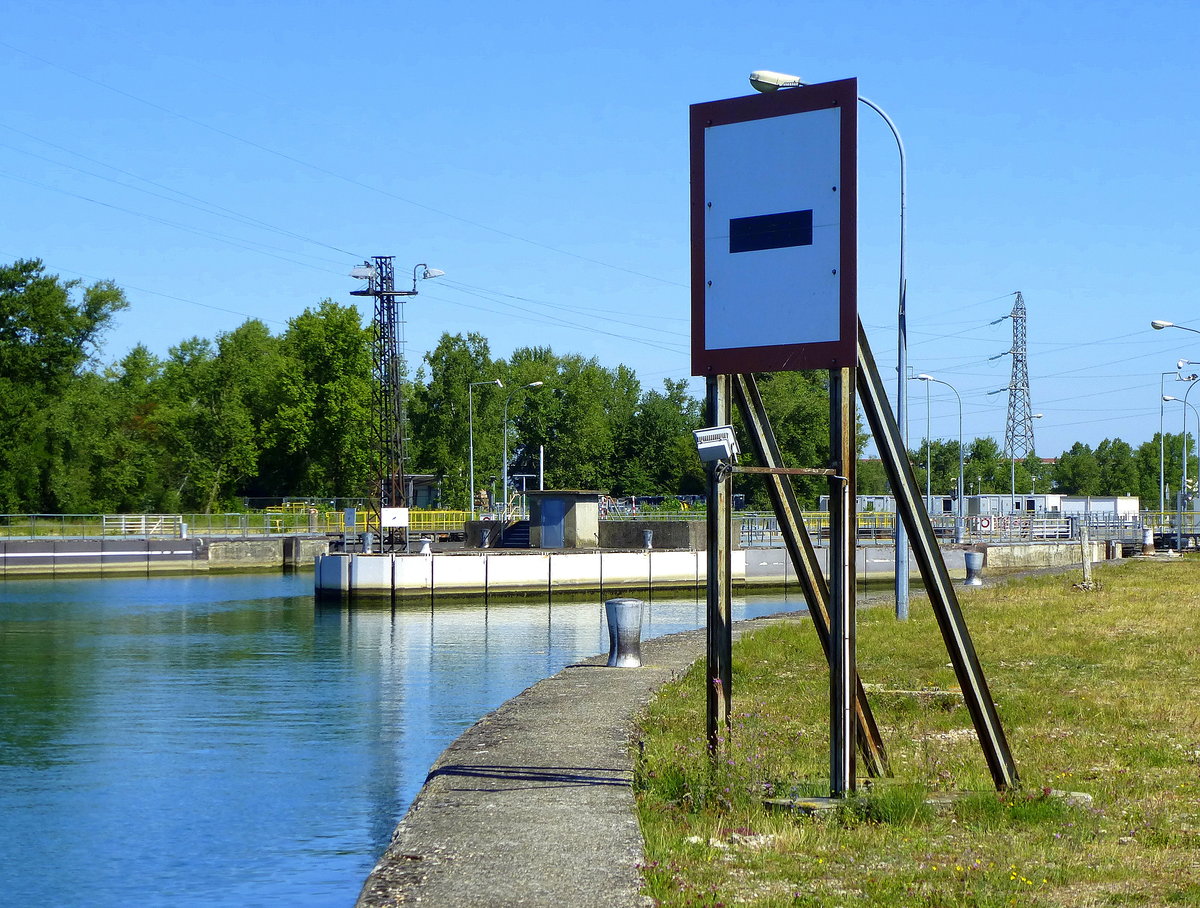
x,y
539,777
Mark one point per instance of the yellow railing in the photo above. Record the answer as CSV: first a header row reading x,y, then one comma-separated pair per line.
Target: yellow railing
x,y
437,521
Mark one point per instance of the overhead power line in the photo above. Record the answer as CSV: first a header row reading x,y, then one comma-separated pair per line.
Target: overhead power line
x,y
332,173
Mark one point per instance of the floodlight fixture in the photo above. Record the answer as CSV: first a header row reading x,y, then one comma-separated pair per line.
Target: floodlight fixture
x,y
363,272
715,444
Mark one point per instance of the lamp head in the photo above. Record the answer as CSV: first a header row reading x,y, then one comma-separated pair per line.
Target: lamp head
x,y
1170,397
499,384
431,272
363,272
535,384
764,80
923,377
1159,324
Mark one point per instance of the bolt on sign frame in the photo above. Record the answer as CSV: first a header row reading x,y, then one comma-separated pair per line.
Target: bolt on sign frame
x,y
774,280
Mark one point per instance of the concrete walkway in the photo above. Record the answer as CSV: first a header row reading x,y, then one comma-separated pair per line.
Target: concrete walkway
x,y
534,804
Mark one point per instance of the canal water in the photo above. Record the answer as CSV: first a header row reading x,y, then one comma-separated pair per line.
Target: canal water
x,y
224,741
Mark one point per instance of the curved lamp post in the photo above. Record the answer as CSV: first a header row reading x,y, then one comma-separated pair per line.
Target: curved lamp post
x,y
1162,455
764,80
504,466
962,491
1159,324
471,432
1183,457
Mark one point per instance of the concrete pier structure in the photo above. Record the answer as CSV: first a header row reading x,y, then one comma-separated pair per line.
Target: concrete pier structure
x,y
483,572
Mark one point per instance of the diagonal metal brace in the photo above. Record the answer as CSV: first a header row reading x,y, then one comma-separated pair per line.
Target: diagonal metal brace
x,y
804,557
933,569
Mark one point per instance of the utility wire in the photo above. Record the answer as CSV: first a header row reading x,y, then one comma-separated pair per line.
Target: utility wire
x,y
123,286
678,349
210,234
338,176
248,219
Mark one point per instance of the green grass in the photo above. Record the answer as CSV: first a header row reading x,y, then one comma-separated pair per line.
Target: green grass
x,y
1097,692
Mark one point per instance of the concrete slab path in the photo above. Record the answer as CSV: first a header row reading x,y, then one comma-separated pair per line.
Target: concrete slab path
x,y
533,805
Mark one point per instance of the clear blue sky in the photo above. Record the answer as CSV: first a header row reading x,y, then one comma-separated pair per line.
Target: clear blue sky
x,y
227,160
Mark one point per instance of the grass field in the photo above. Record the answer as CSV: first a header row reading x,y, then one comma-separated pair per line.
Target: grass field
x,y
1098,695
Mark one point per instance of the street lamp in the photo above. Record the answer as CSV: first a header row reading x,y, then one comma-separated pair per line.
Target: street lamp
x,y
1183,457
471,432
764,80
1162,395
1159,324
504,465
962,491
928,445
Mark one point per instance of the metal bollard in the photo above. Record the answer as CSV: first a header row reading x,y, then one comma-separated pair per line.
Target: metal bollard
x,y
974,562
647,539
624,632
1148,541
426,547
368,543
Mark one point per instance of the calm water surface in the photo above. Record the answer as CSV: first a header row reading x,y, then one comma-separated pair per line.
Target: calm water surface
x,y
222,741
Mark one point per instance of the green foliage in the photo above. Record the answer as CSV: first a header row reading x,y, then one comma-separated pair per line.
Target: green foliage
x,y
321,429
1078,471
798,404
48,333
252,414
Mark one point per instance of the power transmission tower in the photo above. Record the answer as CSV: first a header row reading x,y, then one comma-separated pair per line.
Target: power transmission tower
x,y
1018,433
387,394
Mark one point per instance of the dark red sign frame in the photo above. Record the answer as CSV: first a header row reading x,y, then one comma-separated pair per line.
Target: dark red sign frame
x,y
837,354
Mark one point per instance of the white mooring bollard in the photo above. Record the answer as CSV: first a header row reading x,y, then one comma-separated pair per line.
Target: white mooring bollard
x,y
624,632
974,561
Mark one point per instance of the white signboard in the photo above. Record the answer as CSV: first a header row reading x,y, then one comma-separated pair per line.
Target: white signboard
x,y
393,518
773,231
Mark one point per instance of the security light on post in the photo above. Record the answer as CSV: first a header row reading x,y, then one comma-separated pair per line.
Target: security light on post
x,y
717,445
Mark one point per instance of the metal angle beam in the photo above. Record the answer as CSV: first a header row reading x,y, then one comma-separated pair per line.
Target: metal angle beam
x,y
933,569
804,557
843,660
719,623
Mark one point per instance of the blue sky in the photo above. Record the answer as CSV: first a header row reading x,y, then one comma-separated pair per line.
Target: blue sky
x,y
241,158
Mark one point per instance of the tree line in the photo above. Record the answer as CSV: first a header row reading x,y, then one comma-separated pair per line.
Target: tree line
x,y
250,414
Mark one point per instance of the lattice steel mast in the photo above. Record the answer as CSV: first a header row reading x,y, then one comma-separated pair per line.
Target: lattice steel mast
x,y
1018,433
387,391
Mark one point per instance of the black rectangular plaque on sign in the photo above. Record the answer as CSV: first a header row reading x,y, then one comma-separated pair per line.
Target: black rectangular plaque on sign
x,y
771,231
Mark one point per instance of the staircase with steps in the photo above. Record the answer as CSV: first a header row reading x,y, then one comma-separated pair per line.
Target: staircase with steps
x,y
515,536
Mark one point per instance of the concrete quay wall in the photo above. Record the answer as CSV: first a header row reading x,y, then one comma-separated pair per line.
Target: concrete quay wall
x,y
124,556
1014,556
469,573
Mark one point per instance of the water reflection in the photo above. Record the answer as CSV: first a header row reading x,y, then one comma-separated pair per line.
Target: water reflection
x,y
221,741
